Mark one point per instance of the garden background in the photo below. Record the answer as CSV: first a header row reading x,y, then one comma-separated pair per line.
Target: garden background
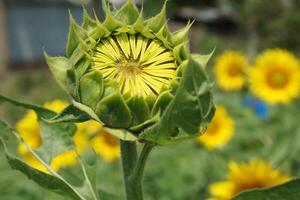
x,y
250,128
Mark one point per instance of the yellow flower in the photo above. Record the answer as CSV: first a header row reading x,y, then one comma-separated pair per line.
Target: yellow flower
x,y
230,70
141,66
85,131
219,131
245,176
275,78
106,145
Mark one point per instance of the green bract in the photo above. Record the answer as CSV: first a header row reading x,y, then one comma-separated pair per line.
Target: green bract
x,y
135,75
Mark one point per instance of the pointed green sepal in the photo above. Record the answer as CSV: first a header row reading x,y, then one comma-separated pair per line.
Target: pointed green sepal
x,y
139,110
202,59
88,23
75,32
110,22
180,52
91,88
157,22
181,35
114,112
161,103
128,14
59,67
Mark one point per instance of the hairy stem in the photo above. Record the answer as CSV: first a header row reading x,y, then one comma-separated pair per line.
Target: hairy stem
x,y
133,169
129,160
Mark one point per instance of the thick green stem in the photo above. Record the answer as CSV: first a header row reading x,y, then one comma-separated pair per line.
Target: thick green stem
x,y
129,159
133,169
137,175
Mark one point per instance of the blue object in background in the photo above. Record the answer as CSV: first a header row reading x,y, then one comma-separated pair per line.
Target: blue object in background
x,y
32,28
258,106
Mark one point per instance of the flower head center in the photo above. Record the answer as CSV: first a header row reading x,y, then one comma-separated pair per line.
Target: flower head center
x,y
141,66
234,70
277,79
109,140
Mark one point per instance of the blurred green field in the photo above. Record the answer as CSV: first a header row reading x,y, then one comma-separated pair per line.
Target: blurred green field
x,y
184,171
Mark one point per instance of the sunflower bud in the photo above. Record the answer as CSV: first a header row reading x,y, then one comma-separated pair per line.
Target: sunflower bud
x,y
128,70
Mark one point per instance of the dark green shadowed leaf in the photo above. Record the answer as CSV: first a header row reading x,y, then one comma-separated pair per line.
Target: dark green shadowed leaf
x,y
128,13
114,112
43,112
287,191
73,84
69,114
139,110
190,110
91,88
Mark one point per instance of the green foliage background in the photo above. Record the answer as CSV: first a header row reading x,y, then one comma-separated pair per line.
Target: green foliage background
x,y
183,171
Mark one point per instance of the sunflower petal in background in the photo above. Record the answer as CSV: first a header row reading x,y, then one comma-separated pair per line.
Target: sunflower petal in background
x,y
244,176
275,76
230,68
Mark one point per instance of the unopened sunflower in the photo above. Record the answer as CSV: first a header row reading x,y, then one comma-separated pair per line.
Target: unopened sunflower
x,y
219,131
230,69
245,176
275,77
124,71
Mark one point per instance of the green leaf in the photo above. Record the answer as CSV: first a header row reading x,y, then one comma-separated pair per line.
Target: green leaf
x,y
87,110
287,191
114,112
54,182
69,114
190,110
56,139
58,67
43,112
91,88
89,187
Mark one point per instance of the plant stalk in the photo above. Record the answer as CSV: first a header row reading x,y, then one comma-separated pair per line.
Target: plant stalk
x,y
129,160
133,168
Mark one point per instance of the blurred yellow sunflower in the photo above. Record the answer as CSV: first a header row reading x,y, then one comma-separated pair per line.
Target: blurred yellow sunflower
x,y
230,70
275,78
244,176
106,145
29,130
219,131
